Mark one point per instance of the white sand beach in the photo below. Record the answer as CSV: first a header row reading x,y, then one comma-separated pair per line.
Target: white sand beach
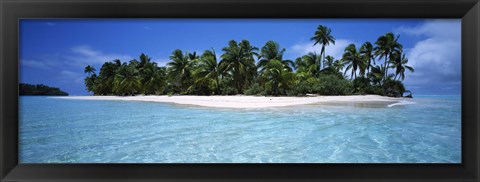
x,y
240,101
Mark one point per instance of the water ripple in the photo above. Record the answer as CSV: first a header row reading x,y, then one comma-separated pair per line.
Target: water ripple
x,y
81,131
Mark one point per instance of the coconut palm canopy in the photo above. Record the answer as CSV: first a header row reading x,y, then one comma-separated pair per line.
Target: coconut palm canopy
x,y
245,69
254,57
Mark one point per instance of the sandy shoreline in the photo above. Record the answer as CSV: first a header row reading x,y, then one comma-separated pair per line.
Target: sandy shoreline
x,y
241,101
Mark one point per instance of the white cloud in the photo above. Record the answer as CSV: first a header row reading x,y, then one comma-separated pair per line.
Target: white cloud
x,y
333,50
436,58
69,65
69,73
449,29
84,55
438,54
162,61
71,76
34,64
79,80
75,57
50,24
85,50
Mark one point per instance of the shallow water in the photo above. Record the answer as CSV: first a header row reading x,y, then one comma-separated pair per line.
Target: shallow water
x,y
426,129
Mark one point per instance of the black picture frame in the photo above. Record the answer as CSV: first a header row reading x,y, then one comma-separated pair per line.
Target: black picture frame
x,y
11,11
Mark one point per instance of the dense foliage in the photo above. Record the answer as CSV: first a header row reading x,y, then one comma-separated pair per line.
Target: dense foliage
x,y
40,89
245,69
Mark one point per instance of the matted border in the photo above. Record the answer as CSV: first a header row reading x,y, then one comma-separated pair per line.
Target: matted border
x,y
11,11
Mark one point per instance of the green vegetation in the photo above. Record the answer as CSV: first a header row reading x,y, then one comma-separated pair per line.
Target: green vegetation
x,y
245,69
29,89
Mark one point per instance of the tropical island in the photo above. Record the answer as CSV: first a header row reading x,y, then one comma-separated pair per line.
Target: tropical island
x,y
242,69
40,89
271,99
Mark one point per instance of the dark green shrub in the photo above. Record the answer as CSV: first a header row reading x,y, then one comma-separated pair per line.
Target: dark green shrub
x,y
229,91
394,88
375,89
332,85
361,85
255,89
300,89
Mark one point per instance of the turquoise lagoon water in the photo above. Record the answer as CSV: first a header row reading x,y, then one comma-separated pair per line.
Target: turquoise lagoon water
x,y
56,130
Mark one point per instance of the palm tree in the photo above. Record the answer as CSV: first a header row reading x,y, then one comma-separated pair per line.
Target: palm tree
x,y
207,71
338,64
308,63
144,59
248,54
90,70
180,68
90,79
366,50
238,61
386,45
148,72
400,65
106,77
328,62
376,74
298,64
272,51
90,83
153,78
353,60
237,70
135,63
277,76
117,63
127,80
322,37
331,67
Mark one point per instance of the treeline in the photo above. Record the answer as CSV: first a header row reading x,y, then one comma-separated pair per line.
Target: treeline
x,y
245,69
40,89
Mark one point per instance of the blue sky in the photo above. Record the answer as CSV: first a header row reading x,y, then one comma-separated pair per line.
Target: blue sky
x,y
55,52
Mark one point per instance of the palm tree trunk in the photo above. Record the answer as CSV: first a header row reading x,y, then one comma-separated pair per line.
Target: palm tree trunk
x,y
275,88
236,78
218,85
386,71
322,54
323,61
368,66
